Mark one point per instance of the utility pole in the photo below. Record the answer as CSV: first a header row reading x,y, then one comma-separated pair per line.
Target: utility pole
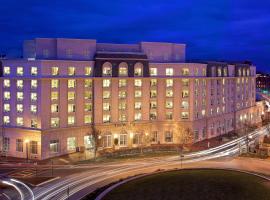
x,y
52,166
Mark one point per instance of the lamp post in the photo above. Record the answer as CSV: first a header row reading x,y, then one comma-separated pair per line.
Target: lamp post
x,y
27,153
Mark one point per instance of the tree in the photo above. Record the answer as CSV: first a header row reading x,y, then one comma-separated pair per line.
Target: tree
x,y
186,137
95,139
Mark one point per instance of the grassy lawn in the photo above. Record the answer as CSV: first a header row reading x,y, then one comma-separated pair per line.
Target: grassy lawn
x,y
194,185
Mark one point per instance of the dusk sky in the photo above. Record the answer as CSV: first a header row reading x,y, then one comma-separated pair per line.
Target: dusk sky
x,y
213,30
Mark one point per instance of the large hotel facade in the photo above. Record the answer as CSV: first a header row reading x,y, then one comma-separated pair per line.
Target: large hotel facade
x,y
51,98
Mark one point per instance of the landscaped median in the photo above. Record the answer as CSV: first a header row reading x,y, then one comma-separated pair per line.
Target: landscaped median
x,y
190,184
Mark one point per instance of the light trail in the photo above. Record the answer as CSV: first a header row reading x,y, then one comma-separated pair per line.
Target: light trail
x,y
16,188
29,189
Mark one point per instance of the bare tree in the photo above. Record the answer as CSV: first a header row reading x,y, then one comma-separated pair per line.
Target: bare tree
x,y
186,137
95,139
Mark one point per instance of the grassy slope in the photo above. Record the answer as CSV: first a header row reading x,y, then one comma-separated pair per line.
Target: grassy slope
x,y
194,185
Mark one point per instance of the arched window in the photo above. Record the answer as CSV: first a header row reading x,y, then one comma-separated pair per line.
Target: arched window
x,y
138,69
123,69
107,69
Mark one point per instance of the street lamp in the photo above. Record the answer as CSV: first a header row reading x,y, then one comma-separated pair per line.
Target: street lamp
x,y
27,153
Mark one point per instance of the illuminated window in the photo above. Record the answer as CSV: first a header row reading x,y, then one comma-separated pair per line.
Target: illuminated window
x,y
54,146
55,71
153,82
6,95
71,120
106,94
19,96
169,104
184,115
71,108
106,106
122,82
138,105
19,145
122,106
123,140
6,70
34,71
19,71
55,122
106,82
87,95
87,107
219,71
33,96
203,112
33,109
185,82
19,108
71,143
87,83
33,123
106,118
204,72
71,83
153,71
169,93
107,140
19,121
185,93
54,96
169,71
153,93
153,115
122,117
185,104
185,71
87,71
19,84
6,120
138,93
169,82
34,84
54,108
6,107
123,71
138,71
153,105
138,116
71,96
225,72
71,71
87,119
122,94
138,82
54,83
6,83
107,70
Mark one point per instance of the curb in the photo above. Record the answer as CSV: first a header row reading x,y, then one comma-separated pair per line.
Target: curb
x,y
50,180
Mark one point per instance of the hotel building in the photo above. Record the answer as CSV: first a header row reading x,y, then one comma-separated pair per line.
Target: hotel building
x,y
131,93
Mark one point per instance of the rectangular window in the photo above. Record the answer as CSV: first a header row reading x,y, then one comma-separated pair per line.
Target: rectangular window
x,y
122,106
106,94
138,116
168,136
169,82
153,71
6,107
87,119
106,106
87,107
6,144
184,115
33,109
34,84
123,139
34,71
138,83
54,83
54,108
71,71
122,94
153,105
54,122
169,115
169,104
185,82
88,142
19,145
19,84
54,96
185,104
87,95
106,118
87,71
169,93
138,71
153,82
6,119
54,146
33,96
154,136
19,121
169,71
71,108
71,96
123,71
6,70
185,94
138,105
19,108
71,83
6,95
6,83
153,115
19,71
33,123
107,141
138,93
19,96
33,147
122,117
185,72
87,83
106,82
153,93
55,71
122,83
107,71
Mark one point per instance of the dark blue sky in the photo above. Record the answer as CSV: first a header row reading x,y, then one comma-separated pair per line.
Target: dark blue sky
x,y
212,29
